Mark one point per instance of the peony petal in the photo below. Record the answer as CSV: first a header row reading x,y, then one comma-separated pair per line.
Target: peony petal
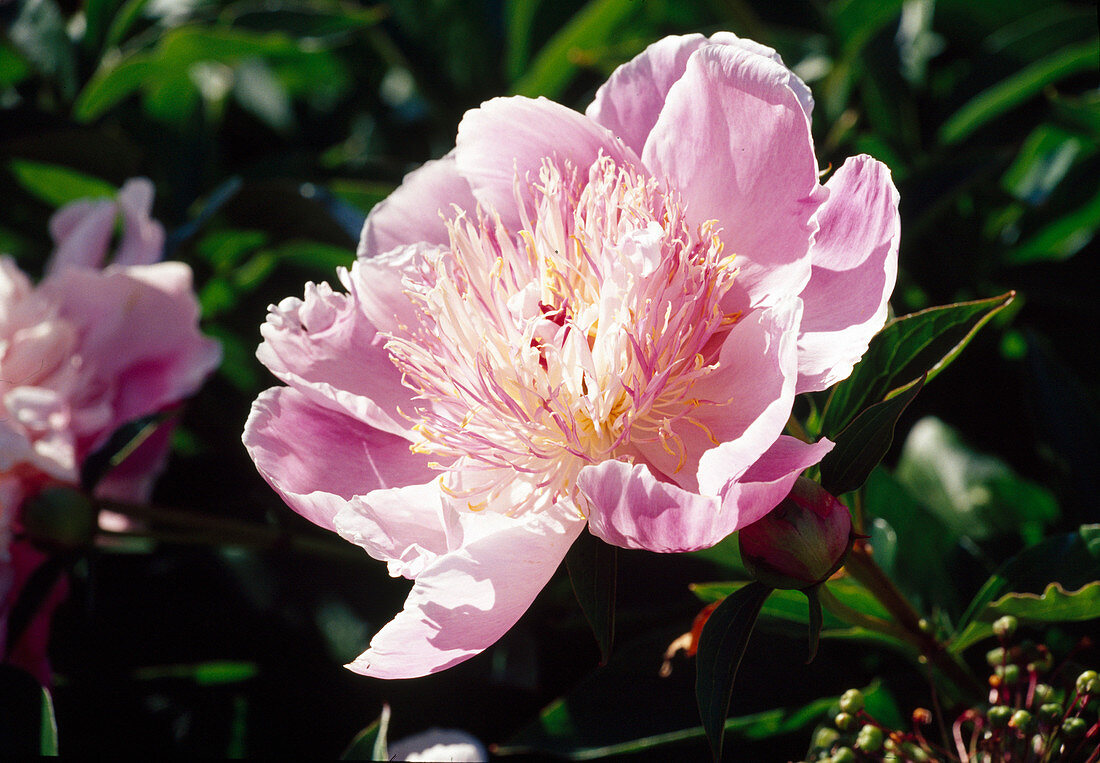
x,y
630,508
468,598
769,480
855,264
734,140
82,233
139,328
414,212
318,459
506,138
749,401
327,348
630,101
142,236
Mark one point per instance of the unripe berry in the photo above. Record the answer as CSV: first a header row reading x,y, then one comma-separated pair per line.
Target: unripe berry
x,y
870,738
851,701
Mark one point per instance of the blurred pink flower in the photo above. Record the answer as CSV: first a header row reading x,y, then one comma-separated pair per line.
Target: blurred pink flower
x,y
87,350
570,319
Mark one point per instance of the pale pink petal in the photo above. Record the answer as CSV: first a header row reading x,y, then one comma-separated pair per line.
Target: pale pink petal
x,y
855,264
318,459
326,347
82,234
734,140
630,508
465,600
142,236
414,212
767,482
630,101
139,328
744,405
508,138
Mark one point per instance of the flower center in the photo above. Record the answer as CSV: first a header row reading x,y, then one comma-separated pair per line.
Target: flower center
x,y
570,342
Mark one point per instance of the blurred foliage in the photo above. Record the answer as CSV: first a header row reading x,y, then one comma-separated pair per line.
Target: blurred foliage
x,y
271,128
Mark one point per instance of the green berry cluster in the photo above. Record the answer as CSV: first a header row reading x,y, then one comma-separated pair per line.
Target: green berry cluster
x,y
1030,716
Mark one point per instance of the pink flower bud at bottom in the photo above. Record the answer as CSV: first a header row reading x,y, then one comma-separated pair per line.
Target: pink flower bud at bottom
x,y
801,542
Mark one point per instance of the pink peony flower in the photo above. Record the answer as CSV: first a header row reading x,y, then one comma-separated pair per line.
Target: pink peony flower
x,y
572,319
87,350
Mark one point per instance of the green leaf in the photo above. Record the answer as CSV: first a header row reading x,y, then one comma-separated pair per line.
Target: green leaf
x,y
1060,239
1017,89
755,726
120,446
324,258
861,445
1054,605
592,566
555,65
905,349
13,67
974,494
1071,560
1043,160
212,673
57,185
111,84
370,743
519,18
47,741
124,21
27,725
721,647
856,21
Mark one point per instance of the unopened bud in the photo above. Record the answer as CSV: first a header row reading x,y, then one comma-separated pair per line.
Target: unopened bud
x,y
1005,626
1074,728
999,716
870,738
1021,719
1088,683
801,542
851,701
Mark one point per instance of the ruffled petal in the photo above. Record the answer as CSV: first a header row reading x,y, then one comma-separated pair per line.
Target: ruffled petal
x,y
414,212
139,329
743,406
465,600
142,236
630,101
506,138
630,508
855,264
325,346
318,459
82,234
734,140
767,482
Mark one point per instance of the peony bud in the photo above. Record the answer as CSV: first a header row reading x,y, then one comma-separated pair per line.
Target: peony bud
x,y
801,542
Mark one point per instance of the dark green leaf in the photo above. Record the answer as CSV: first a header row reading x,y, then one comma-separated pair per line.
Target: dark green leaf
x,y
555,65
120,446
370,743
213,673
124,21
1072,560
905,349
13,67
721,647
861,445
1060,239
1043,160
27,725
1017,89
57,185
592,566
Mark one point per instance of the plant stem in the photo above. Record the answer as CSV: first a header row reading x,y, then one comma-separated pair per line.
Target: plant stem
x,y
863,568
177,526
